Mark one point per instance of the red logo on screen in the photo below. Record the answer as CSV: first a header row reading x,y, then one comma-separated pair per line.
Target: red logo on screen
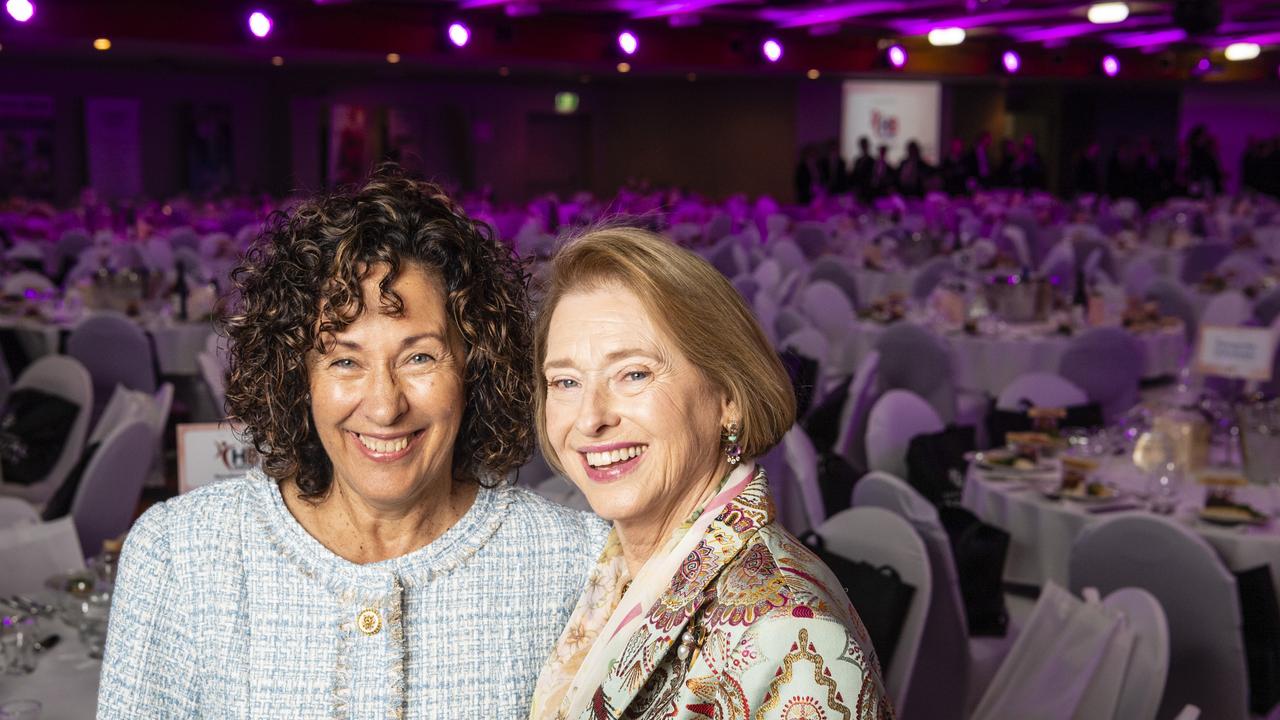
x,y
884,126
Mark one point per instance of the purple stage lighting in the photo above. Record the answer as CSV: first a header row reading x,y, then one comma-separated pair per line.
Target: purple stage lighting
x,y
628,42
459,34
20,10
1204,65
897,56
1111,66
1011,61
772,50
259,23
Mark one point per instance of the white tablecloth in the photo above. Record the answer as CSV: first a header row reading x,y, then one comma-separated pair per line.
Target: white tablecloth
x,y
875,284
988,363
1042,530
65,681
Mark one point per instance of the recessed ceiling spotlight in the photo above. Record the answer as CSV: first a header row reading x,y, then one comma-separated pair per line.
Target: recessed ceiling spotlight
x,y
20,10
627,42
459,34
102,44
277,60
1242,51
1110,65
897,56
1108,13
813,74
945,37
259,23
393,58
624,67
772,50
1012,63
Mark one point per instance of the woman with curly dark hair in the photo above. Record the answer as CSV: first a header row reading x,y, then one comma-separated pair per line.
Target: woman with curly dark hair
x,y
376,565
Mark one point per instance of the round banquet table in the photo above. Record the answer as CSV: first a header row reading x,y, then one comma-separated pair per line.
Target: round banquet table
x,y
65,680
1042,530
875,284
988,363
176,344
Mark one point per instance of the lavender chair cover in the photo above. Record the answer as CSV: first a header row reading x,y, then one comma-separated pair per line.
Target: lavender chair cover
x,y
31,552
111,486
837,273
913,358
20,282
1246,268
827,308
1230,308
1267,308
811,238
1106,363
896,418
1041,390
1198,594
1199,260
1172,298
115,351
746,287
789,256
66,378
15,511
793,478
879,537
1138,276
930,275
944,646
851,438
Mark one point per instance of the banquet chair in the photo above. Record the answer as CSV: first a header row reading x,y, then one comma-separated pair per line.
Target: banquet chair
x,y
789,256
896,418
1137,277
810,343
720,226
184,237
1106,363
67,378
746,287
837,273
945,646
775,226
1172,298
851,437
930,276
115,351
1245,268
1200,260
21,282
1267,309
913,358
214,376
1041,389
15,511
1018,243
768,273
561,491
1230,308
1149,664
828,309
1060,262
107,499
67,249
1198,594
876,536
792,466
1093,255
811,238
728,258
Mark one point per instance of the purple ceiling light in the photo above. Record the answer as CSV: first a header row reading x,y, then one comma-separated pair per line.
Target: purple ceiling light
x,y
627,42
459,35
20,10
1203,66
1111,66
897,56
772,50
1012,63
259,23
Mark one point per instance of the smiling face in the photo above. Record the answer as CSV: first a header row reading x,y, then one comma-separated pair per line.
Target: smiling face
x,y
634,424
387,398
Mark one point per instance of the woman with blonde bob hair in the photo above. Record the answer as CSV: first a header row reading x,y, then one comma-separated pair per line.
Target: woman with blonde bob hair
x,y
657,391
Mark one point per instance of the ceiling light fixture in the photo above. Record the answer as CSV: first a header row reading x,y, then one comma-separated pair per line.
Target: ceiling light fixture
x,y
1108,13
946,37
1236,52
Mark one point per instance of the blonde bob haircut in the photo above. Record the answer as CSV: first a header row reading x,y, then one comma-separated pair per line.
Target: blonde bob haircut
x,y
695,305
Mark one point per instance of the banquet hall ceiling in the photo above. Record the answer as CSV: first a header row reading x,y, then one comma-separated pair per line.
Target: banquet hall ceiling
x,y
676,36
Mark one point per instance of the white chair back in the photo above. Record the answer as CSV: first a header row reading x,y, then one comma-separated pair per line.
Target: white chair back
x,y
1230,308
788,256
20,282
944,647
16,511
1149,663
115,351
828,308
851,438
896,418
1137,276
107,499
67,378
1041,389
879,537
31,552
802,460
215,378
1206,663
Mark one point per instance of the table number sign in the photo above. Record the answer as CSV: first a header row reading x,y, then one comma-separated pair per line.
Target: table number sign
x,y
1235,352
210,452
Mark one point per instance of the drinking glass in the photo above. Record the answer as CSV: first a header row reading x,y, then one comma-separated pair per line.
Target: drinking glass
x,y
89,616
18,645
20,710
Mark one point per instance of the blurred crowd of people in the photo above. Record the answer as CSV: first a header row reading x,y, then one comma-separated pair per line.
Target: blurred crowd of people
x,y
1135,169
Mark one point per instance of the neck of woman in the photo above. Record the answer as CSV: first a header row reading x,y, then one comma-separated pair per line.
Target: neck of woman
x,y
642,537
364,532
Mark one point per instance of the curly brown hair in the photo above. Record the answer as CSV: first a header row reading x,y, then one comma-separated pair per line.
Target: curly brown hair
x,y
299,284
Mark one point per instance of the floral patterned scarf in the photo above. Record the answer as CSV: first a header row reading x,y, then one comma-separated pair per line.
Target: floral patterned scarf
x,y
610,609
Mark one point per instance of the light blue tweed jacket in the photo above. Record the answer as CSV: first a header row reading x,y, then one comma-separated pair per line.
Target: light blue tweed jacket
x,y
226,608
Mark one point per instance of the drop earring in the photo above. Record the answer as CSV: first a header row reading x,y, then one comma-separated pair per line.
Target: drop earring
x,y
729,443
